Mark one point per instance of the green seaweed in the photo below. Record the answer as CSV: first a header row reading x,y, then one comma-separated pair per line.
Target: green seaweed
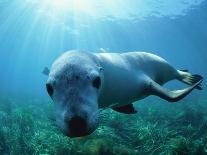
x,y
158,128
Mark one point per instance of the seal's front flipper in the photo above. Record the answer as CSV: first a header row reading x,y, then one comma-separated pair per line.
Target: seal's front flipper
x,y
171,96
46,71
126,109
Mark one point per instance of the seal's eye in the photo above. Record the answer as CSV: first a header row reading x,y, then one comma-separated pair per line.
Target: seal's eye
x,y
97,82
49,89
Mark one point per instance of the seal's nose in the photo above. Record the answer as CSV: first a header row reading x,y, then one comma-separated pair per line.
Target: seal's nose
x,y
77,126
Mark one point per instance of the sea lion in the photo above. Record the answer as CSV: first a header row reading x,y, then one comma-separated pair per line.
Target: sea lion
x,y
80,83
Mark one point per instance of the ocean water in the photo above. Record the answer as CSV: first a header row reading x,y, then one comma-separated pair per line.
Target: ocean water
x,y
33,33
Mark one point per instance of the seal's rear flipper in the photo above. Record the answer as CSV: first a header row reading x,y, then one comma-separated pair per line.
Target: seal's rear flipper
x,y
188,78
126,109
171,96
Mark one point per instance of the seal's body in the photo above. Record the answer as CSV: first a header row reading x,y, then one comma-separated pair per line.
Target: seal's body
x,y
127,76
80,83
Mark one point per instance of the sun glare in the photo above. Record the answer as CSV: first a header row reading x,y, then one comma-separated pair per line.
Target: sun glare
x,y
81,6
111,10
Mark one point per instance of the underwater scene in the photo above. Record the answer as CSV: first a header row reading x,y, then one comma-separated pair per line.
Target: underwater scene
x,y
80,102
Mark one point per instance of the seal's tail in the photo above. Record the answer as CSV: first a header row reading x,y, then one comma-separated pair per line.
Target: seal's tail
x,y
188,78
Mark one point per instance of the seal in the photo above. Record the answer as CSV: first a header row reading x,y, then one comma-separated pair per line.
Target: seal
x,y
82,83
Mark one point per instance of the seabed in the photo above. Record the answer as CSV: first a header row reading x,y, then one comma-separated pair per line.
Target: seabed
x,y
157,128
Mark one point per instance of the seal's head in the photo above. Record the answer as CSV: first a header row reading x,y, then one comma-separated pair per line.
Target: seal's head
x,y
74,83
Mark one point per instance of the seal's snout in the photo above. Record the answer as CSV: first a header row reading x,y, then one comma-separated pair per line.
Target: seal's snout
x,y
77,126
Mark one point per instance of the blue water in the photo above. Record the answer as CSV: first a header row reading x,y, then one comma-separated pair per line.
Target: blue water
x,y
33,33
